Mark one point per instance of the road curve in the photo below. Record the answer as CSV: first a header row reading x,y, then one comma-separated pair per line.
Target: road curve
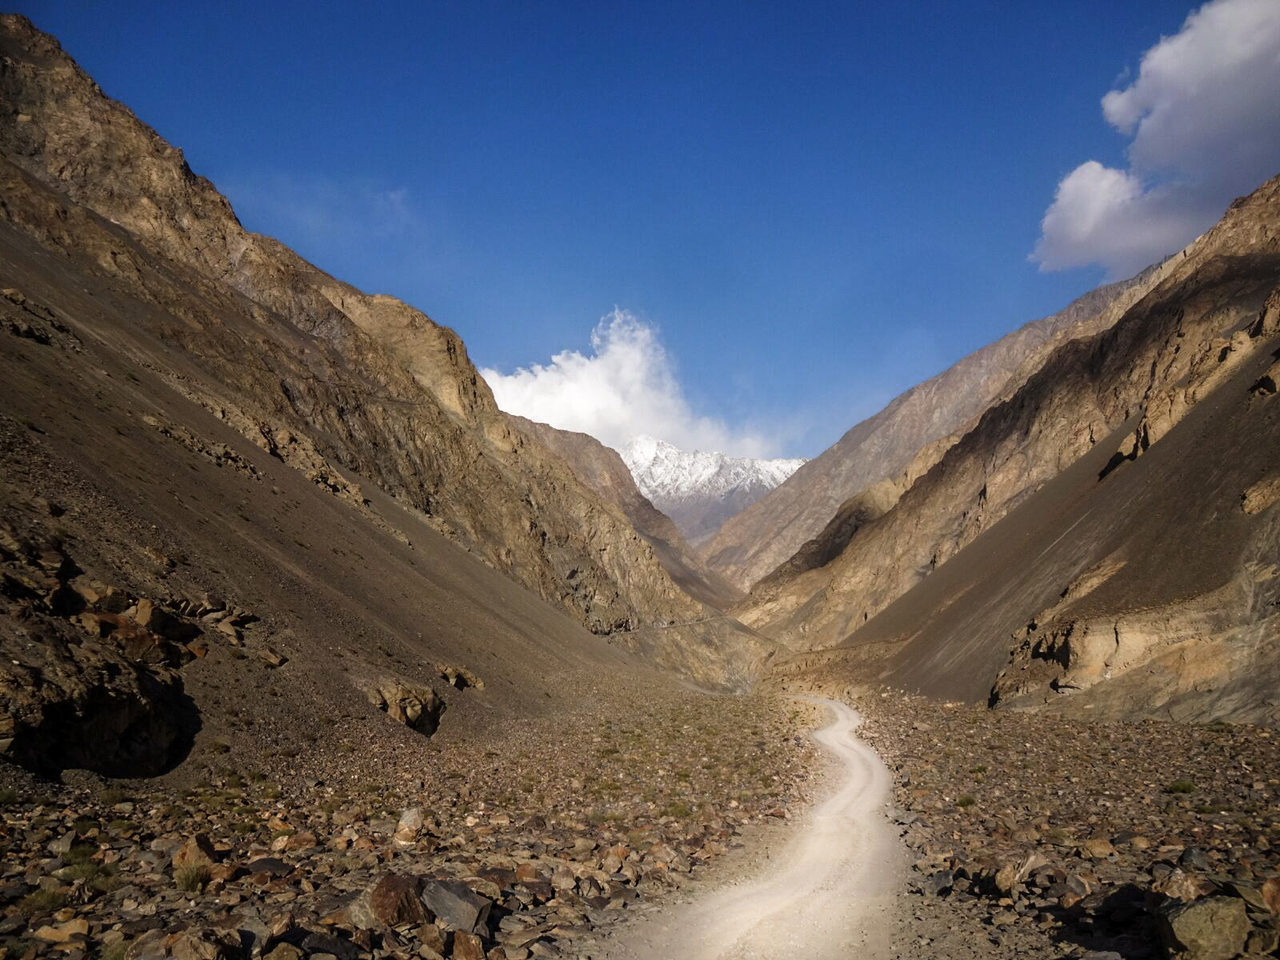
x,y
829,893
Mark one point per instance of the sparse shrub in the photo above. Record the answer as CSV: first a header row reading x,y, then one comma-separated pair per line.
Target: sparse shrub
x,y
41,902
96,876
1180,786
81,853
193,879
8,797
965,801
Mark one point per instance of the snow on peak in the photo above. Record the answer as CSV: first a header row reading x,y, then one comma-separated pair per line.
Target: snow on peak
x,y
664,472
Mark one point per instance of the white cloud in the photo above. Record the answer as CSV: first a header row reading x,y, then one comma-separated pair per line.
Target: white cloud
x,y
1204,118
625,387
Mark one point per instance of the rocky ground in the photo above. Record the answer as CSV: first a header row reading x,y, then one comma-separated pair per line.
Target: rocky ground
x,y
1035,836
511,846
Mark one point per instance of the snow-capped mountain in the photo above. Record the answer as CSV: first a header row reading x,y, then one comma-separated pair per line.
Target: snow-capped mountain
x,y
699,491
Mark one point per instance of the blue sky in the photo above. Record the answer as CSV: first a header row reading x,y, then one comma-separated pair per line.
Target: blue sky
x,y
803,209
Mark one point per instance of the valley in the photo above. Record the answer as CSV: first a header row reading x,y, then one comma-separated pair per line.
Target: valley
x,y
310,650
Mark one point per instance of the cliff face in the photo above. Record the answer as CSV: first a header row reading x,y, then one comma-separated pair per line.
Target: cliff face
x,y
1115,515
350,388
918,423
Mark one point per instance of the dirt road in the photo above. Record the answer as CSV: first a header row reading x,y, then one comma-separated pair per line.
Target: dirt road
x,y
828,893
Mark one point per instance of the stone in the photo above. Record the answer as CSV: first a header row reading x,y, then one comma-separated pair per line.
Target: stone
x,y
284,951
563,880
1097,848
272,658
460,907
1263,940
430,936
192,946
407,830
197,851
63,931
417,707
1250,894
1179,885
316,944
1271,894
395,900
467,946
1005,878
1214,928
272,866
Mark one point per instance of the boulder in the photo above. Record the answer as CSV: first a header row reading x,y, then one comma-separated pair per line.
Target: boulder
x,y
1179,885
197,851
408,828
391,901
417,707
460,907
1214,928
1271,894
467,946
1097,848
64,932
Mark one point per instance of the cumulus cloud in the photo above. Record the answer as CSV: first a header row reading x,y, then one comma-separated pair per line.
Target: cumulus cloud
x,y
1203,116
624,387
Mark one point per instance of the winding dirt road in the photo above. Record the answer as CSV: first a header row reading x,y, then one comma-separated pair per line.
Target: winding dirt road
x,y
829,893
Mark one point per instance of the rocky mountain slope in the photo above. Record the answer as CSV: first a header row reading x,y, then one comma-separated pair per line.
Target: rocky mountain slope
x,y
698,490
603,470
356,391
1115,517
877,458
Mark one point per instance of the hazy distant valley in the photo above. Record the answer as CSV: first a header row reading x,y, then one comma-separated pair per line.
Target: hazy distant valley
x,y
311,650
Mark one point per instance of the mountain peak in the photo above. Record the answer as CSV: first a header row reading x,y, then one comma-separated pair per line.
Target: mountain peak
x,y
700,490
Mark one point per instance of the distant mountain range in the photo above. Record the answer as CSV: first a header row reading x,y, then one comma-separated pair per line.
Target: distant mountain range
x,y
698,490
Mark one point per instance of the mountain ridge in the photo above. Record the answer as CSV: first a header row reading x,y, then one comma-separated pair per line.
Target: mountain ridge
x,y
367,367
700,490
922,420
909,596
